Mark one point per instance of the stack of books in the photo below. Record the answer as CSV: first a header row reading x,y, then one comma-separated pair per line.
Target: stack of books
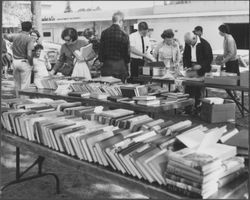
x,y
106,79
147,100
49,82
204,165
133,90
175,97
95,87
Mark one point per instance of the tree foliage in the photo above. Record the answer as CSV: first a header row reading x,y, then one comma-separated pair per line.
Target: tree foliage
x,y
13,8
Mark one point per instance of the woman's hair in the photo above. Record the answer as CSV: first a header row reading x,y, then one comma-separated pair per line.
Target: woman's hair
x,y
71,32
36,32
167,34
224,28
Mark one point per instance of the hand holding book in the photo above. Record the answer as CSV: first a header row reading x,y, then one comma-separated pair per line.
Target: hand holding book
x,y
85,53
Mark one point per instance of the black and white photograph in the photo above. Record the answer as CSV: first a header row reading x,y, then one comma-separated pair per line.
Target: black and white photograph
x,y
124,100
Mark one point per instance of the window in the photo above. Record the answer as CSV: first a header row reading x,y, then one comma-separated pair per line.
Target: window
x,y
46,34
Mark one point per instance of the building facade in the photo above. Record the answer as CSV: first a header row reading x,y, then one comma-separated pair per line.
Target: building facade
x,y
180,17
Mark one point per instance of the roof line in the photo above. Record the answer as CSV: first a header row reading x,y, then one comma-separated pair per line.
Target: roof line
x,y
178,15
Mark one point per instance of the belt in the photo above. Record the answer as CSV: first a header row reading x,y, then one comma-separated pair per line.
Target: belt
x,y
21,59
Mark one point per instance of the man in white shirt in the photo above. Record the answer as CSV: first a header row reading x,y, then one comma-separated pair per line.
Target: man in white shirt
x,y
140,49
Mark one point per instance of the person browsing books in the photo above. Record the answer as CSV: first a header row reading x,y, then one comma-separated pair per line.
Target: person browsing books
x,y
41,64
198,30
140,49
114,49
229,59
197,59
22,56
67,59
168,51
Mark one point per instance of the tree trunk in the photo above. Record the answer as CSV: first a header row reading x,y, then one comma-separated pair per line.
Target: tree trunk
x,y
37,16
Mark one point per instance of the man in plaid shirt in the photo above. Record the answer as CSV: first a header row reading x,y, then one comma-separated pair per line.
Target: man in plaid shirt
x,y
115,49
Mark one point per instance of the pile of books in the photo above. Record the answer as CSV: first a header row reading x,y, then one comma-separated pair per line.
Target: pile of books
x,y
106,79
172,154
87,88
49,82
204,165
133,90
175,96
147,100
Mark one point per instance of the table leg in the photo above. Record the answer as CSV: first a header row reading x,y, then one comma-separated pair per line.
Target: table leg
x,y
242,101
19,179
239,105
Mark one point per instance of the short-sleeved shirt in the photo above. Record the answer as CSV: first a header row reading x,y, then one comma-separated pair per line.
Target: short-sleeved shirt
x,y
21,43
66,53
136,42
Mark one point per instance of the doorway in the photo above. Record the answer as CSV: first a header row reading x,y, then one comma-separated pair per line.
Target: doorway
x,y
240,32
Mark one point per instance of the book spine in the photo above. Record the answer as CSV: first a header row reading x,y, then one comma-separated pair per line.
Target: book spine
x,y
182,180
183,186
181,191
179,172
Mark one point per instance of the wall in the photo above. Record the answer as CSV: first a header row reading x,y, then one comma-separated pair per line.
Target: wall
x,y
57,28
210,27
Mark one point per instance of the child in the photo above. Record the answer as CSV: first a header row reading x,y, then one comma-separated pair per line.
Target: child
x,y
41,65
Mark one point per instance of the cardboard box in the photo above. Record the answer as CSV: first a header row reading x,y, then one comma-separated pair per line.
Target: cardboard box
x,y
215,113
222,80
244,78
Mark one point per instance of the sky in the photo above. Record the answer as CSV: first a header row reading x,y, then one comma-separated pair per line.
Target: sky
x,y
59,6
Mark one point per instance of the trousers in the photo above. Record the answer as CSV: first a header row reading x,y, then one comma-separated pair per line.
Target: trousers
x,y
22,74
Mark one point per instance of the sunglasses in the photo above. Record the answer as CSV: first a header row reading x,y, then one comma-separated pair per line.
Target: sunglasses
x,y
67,40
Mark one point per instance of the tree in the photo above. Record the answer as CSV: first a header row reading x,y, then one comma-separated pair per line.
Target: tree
x,y
20,11
36,15
68,7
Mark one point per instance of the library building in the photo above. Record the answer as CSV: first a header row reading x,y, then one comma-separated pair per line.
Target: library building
x,y
124,100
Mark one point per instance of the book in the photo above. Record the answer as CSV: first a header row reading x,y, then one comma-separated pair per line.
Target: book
x,y
86,52
213,100
149,102
239,140
157,164
228,135
144,98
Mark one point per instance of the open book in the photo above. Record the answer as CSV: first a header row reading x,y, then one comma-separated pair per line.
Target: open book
x,y
86,53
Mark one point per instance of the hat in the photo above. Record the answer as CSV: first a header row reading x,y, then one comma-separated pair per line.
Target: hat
x,y
198,28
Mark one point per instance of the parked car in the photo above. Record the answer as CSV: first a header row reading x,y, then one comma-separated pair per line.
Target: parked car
x,y
52,50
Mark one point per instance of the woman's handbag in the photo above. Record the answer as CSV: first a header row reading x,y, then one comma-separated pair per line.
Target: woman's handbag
x,y
66,69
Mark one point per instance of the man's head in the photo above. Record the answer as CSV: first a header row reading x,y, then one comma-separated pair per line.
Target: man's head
x,y
118,18
143,28
190,38
38,48
26,26
224,29
198,30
